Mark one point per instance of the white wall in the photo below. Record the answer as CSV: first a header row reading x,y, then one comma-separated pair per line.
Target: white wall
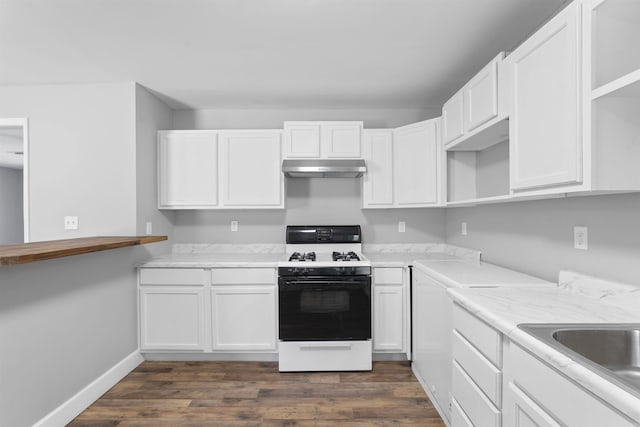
x,y
536,237
151,116
308,201
274,118
82,156
63,323
316,201
11,206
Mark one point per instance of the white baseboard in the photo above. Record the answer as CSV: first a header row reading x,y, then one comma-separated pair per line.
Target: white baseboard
x,y
70,409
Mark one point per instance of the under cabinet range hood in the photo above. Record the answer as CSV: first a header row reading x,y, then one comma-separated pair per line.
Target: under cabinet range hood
x,y
323,168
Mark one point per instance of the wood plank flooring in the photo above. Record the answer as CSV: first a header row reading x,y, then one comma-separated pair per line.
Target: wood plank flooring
x,y
247,394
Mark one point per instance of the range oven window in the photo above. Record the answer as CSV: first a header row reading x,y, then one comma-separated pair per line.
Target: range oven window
x,y
324,309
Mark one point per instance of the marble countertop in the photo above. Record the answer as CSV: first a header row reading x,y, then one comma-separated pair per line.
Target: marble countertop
x,y
212,260
575,300
459,273
268,255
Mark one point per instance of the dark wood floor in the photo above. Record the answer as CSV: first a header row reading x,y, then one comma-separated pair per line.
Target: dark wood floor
x,y
256,394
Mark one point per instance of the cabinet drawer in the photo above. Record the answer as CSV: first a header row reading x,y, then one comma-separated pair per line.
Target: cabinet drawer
x,y
326,356
172,276
240,276
486,376
458,417
558,396
472,400
483,337
387,276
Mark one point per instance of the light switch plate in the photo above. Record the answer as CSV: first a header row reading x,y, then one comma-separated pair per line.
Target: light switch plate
x,y
463,229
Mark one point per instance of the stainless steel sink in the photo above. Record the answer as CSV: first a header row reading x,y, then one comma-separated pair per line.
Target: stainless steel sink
x,y
610,350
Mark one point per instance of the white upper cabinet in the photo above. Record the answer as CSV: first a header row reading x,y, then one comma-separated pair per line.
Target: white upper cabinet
x,y
453,118
243,167
417,165
481,96
187,170
469,115
322,139
377,191
545,121
250,169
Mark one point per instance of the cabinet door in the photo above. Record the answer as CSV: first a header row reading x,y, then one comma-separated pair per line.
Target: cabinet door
x,y
172,318
432,329
416,164
187,170
378,181
250,169
244,317
546,142
452,118
341,140
388,317
302,140
481,97
524,412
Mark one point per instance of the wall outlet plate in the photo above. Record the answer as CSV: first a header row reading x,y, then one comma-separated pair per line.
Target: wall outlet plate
x,y
70,222
402,226
580,238
463,228
234,225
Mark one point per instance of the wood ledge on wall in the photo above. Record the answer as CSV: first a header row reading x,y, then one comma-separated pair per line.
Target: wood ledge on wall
x,y
38,251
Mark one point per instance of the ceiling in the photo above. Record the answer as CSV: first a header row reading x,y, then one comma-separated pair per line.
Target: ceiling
x,y
199,54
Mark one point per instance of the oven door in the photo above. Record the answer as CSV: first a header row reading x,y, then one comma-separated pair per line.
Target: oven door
x,y
324,308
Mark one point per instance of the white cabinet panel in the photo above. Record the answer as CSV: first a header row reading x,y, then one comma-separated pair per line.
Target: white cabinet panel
x,y
483,337
388,316
378,181
545,122
172,318
472,400
416,164
244,318
341,140
250,166
481,97
187,170
432,337
302,140
452,118
322,139
556,398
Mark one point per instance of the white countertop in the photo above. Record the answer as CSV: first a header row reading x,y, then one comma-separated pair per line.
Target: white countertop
x,y
213,260
404,259
466,274
505,308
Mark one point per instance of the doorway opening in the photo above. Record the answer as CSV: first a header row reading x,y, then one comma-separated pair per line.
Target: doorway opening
x,y
14,181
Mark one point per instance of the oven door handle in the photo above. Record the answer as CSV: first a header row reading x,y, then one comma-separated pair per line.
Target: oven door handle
x,y
325,345
327,283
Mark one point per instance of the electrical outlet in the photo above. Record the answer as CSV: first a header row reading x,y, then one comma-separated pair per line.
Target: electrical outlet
x,y
149,229
463,229
234,225
402,226
580,238
70,222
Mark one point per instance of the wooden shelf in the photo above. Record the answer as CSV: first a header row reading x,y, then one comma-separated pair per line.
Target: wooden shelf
x,y
39,251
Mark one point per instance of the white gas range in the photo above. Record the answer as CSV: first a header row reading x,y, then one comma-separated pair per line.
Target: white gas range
x,y
324,295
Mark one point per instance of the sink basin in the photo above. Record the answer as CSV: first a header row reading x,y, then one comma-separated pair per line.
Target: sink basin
x,y
610,350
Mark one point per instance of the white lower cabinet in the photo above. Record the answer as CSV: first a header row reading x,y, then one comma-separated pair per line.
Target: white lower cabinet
x,y
208,310
476,375
389,313
538,395
243,317
172,309
172,318
431,353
